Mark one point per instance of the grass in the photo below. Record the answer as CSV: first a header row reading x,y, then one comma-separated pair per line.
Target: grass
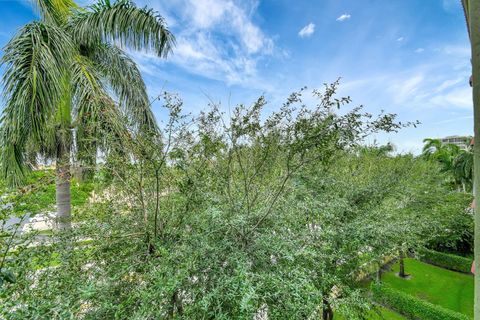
x,y
37,195
385,314
446,288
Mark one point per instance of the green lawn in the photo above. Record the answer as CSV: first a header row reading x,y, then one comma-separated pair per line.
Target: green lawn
x,y
386,314
38,194
446,288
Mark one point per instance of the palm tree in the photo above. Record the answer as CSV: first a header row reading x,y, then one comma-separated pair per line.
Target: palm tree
x,y
444,153
431,146
67,79
453,159
463,169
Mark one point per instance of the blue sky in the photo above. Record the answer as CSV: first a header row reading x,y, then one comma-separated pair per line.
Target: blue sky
x,y
409,57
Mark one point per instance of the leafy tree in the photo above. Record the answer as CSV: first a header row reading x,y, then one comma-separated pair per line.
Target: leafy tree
x,y
463,169
66,83
431,146
454,160
443,153
233,229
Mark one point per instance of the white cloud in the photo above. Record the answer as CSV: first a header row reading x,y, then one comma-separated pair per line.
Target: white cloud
x,y
201,56
229,17
439,84
216,39
404,90
400,39
206,13
307,31
409,146
344,17
458,97
448,84
423,90
419,50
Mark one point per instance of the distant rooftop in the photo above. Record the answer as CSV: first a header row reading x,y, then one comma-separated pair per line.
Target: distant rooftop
x,y
461,141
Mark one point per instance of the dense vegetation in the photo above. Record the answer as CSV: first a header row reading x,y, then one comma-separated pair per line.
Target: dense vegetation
x,y
238,217
443,288
447,261
412,307
248,214
455,161
67,79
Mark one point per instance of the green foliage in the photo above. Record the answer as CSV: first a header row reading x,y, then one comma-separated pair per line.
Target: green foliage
x,y
445,260
220,220
37,195
453,227
66,80
217,216
410,306
232,217
35,61
448,289
6,276
458,163
378,313
463,168
122,21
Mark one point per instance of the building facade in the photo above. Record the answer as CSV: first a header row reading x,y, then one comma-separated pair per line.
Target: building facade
x,y
461,141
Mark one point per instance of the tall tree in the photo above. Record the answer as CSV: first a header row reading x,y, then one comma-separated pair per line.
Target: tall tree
x,y
453,160
463,169
472,14
431,146
66,81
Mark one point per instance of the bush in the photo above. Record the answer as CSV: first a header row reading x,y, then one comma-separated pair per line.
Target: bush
x,y
446,260
410,306
453,227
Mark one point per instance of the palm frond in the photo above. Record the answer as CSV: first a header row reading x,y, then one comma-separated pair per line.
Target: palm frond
x,y
12,157
122,75
463,165
35,64
431,146
88,88
56,11
122,23
96,113
88,96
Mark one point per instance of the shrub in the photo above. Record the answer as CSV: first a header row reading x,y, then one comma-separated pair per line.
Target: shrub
x,y
445,260
453,227
411,306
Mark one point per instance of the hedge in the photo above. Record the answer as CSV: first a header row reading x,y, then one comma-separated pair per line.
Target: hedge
x,y
445,260
411,306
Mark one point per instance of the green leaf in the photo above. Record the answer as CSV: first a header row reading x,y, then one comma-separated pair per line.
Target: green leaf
x,y
8,276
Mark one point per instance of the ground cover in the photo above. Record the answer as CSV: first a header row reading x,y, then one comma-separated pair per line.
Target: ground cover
x,y
449,289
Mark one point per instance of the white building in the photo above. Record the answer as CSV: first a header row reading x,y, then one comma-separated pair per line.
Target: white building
x,y
461,141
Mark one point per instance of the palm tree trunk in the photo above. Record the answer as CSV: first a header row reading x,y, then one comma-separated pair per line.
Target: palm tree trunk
x,y
64,219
